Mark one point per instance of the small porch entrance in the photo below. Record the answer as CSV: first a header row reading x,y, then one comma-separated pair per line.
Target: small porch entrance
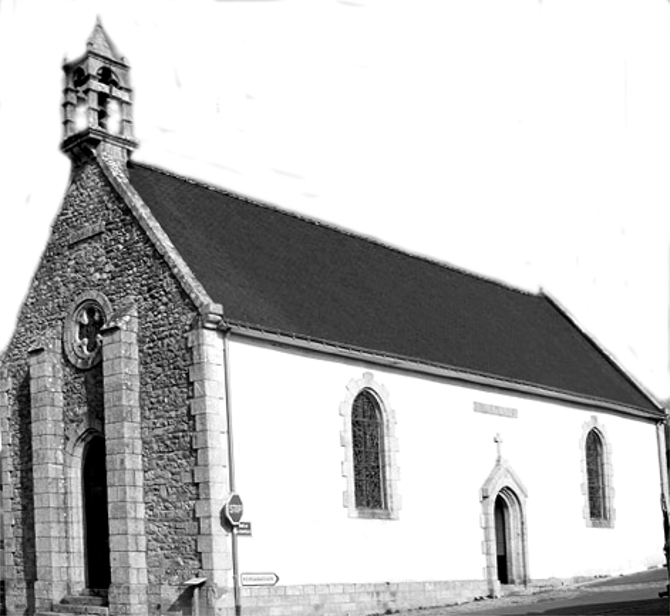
x,y
509,538
503,498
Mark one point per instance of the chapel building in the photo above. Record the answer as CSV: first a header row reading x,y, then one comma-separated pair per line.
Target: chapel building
x,y
214,406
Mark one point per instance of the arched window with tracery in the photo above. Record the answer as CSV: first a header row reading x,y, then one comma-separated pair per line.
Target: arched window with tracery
x,y
595,473
367,432
597,468
370,449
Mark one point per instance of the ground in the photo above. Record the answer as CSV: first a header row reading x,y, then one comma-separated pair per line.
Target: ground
x,y
630,594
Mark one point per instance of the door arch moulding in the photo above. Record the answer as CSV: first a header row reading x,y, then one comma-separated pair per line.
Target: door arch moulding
x,y
503,482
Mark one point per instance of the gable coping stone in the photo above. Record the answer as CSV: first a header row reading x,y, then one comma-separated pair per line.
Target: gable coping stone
x,y
158,237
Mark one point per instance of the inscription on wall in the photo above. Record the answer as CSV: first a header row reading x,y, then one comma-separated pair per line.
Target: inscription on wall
x,y
86,233
491,409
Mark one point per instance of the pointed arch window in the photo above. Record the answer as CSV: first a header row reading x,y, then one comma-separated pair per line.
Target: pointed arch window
x,y
370,449
367,434
595,474
597,487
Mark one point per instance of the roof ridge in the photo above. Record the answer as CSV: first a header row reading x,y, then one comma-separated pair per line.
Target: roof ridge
x,y
335,227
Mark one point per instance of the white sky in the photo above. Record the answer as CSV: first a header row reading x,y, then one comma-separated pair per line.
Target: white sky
x,y
525,140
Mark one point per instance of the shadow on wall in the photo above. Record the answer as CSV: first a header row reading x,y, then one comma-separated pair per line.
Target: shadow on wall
x,y
183,604
25,449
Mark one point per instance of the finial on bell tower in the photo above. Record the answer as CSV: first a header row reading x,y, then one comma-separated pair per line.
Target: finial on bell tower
x,y
97,101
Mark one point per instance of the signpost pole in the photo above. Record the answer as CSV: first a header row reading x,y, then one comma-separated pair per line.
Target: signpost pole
x,y
232,516
236,574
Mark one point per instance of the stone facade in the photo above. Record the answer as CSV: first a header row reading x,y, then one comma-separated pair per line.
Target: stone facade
x,y
145,414
349,599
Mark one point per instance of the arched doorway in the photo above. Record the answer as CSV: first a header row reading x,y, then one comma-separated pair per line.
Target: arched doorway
x,y
501,515
505,546
510,537
96,520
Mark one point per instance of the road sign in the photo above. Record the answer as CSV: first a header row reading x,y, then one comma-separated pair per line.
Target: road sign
x,y
233,509
243,529
258,579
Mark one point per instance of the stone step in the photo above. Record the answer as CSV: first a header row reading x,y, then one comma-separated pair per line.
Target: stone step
x,y
73,608
84,600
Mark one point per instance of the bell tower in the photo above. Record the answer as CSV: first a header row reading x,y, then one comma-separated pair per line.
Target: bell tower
x,y
97,102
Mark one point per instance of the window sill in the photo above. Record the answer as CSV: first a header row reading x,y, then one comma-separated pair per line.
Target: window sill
x,y
372,514
599,523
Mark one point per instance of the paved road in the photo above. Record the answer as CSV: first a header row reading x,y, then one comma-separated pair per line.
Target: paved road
x,y
631,594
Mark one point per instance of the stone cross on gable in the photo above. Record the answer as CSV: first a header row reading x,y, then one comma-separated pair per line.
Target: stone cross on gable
x,y
498,441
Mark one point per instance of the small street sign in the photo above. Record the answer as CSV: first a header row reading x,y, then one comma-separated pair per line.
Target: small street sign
x,y
243,529
258,579
233,509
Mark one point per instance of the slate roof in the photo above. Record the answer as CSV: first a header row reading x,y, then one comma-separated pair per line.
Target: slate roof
x,y
276,271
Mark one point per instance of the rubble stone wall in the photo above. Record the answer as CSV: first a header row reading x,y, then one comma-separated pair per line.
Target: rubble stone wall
x,y
97,246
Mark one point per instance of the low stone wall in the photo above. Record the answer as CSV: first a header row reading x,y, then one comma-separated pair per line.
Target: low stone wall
x,y
356,599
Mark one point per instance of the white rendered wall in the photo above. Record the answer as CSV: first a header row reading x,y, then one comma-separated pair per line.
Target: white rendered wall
x,y
288,456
